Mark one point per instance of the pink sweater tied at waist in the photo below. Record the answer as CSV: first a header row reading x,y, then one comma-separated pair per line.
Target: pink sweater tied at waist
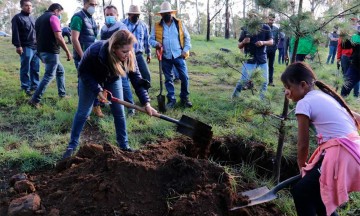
x,y
340,169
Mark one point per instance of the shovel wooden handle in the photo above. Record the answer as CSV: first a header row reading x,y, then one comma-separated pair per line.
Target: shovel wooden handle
x,y
142,109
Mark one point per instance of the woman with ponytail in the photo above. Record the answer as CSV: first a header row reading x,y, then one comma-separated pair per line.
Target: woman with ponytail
x,y
333,170
101,67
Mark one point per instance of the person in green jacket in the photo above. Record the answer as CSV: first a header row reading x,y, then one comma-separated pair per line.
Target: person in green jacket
x,y
306,48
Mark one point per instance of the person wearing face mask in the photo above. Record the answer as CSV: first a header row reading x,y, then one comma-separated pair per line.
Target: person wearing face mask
x,y
84,31
111,26
50,39
24,39
171,34
141,32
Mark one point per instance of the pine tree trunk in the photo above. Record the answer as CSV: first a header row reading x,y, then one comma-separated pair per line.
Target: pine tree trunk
x,y
208,21
227,20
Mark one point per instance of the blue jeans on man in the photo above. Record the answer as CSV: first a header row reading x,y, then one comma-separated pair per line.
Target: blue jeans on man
x,y
332,53
143,67
247,70
29,69
128,97
53,68
180,64
86,100
352,78
345,63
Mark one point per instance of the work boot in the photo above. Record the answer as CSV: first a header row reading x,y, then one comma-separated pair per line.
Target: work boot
x,y
97,111
186,103
131,112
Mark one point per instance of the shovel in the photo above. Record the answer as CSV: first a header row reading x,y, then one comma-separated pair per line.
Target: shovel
x,y
160,97
198,131
263,194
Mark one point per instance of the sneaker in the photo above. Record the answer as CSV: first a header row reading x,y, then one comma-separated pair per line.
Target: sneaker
x,y
97,111
127,149
271,84
171,104
34,104
69,152
131,112
186,103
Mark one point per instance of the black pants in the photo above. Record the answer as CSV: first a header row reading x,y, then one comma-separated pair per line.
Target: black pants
x,y
306,194
271,59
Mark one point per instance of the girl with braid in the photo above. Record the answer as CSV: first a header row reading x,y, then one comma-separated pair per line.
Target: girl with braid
x,y
333,170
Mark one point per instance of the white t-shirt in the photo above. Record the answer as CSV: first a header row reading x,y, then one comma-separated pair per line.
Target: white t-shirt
x,y
330,119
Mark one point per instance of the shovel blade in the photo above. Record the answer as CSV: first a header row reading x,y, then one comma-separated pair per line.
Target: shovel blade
x,y
195,129
271,195
161,103
255,193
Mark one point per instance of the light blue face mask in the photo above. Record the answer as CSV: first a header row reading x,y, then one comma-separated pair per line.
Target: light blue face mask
x,y
59,16
91,10
110,20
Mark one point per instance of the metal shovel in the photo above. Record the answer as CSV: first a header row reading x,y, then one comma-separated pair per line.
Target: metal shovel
x,y
200,132
263,194
160,97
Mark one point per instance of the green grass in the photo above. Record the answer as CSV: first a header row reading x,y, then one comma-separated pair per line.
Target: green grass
x,y
33,139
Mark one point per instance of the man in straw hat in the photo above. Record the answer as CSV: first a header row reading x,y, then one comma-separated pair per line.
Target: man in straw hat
x,y
141,32
254,46
171,34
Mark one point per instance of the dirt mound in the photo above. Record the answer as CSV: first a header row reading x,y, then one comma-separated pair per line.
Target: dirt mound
x,y
156,180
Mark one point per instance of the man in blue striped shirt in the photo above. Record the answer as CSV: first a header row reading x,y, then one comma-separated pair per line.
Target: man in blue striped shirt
x,y
141,32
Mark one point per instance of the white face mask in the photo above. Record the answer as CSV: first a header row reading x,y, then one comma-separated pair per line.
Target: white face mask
x,y
91,10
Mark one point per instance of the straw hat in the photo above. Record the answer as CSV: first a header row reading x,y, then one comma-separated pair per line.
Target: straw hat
x,y
134,9
166,8
253,12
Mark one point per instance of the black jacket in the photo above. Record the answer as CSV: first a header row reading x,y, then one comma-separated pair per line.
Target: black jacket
x,y
95,73
23,30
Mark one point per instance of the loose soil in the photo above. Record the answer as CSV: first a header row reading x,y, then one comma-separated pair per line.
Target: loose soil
x,y
160,179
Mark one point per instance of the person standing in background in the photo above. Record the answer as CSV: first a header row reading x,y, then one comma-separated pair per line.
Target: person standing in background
x,y
171,34
24,39
271,50
111,26
48,34
84,31
141,32
333,37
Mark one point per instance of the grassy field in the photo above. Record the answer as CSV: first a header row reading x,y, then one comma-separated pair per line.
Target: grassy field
x,y
33,138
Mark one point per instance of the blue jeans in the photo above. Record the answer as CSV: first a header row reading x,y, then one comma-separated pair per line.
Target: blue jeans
x,y
76,62
281,57
180,64
143,67
247,70
175,73
29,69
345,63
332,53
352,78
53,68
86,100
127,91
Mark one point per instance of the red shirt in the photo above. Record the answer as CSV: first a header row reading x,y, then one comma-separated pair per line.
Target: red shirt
x,y
341,51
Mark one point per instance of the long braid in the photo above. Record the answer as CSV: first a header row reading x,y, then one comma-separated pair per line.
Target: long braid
x,y
328,90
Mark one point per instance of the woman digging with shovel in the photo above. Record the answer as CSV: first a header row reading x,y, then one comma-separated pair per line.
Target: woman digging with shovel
x,y
102,66
333,170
